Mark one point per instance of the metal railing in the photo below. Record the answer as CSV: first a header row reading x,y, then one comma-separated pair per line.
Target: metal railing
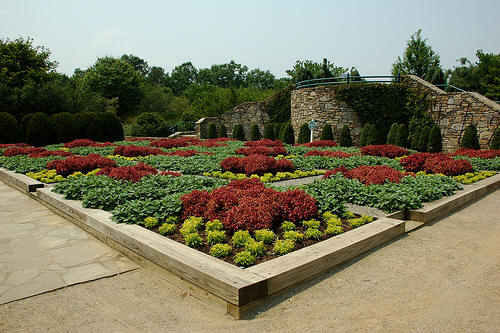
x,y
445,85
346,79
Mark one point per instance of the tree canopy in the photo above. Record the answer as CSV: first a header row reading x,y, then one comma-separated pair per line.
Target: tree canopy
x,y
308,69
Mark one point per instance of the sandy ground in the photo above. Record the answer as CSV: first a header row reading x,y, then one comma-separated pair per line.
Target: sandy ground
x,y
443,277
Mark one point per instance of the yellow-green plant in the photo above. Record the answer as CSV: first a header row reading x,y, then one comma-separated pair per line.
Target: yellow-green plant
x,y
284,246
265,235
216,236
240,238
150,222
220,250
244,258
166,229
293,235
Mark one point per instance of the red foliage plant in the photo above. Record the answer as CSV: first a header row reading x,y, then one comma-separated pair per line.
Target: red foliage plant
x,y
262,150
139,139
256,164
370,175
7,145
264,143
327,153
249,205
86,143
134,151
436,163
173,143
171,173
183,153
320,143
486,154
80,163
389,151
132,173
13,151
51,153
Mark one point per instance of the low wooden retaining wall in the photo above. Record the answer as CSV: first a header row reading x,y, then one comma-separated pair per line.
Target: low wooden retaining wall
x,y
235,290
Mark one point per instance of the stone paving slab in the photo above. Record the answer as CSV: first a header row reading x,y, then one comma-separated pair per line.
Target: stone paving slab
x,y
41,251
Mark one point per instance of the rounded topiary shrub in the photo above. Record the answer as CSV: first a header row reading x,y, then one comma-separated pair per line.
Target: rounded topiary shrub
x,y
304,134
424,139
402,136
363,138
255,133
469,138
287,134
211,131
372,136
222,131
150,124
9,129
83,121
416,138
40,131
345,139
277,130
495,141
326,133
269,131
435,144
391,136
65,126
238,132
23,125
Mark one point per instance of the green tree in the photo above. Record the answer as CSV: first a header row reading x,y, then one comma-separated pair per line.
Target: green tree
x,y
238,132
495,141
277,131
304,134
40,131
212,131
181,77
308,69
415,138
224,75
260,79
64,125
157,99
326,133
435,144
157,75
470,138
423,140
465,76
419,59
402,136
115,78
222,131
269,131
140,65
391,136
287,135
345,139
255,133
489,73
365,132
150,124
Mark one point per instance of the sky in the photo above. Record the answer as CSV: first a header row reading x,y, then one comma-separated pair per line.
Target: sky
x,y
270,35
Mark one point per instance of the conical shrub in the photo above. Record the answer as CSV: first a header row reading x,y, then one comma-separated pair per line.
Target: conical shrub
x,y
391,136
238,132
287,134
345,139
304,134
269,131
495,141
424,139
435,144
402,136
255,133
222,131
212,131
326,133
469,138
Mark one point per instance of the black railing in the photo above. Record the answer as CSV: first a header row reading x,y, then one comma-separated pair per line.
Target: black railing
x,y
346,79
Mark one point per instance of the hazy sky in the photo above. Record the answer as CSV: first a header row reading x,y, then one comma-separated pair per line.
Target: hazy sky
x,y
270,35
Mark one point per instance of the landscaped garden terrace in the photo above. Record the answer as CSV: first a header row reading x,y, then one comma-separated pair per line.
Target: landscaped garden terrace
x,y
220,196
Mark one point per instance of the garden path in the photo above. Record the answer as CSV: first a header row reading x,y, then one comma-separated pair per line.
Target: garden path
x,y
40,251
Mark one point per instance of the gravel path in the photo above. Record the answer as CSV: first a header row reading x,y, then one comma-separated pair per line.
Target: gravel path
x,y
442,277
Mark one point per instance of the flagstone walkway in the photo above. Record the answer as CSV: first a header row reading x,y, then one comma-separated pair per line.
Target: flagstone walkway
x,y
41,251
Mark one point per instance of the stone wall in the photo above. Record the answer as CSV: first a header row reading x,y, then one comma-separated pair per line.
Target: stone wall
x,y
246,114
454,111
319,103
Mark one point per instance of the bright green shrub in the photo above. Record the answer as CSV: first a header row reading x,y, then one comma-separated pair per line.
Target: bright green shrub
x,y
244,258
222,131
391,136
334,221
304,134
240,238
238,132
295,236
40,131
166,229
334,230
495,141
282,247
216,236
214,225
313,233
255,248
402,136
345,139
9,129
265,235
191,225
150,222
287,226
212,131
172,220
193,240
150,124
220,250
326,133
470,138
358,222
315,224
287,135
255,133
435,144
269,131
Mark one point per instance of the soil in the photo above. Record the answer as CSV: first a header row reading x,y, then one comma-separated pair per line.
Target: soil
x,y
442,277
